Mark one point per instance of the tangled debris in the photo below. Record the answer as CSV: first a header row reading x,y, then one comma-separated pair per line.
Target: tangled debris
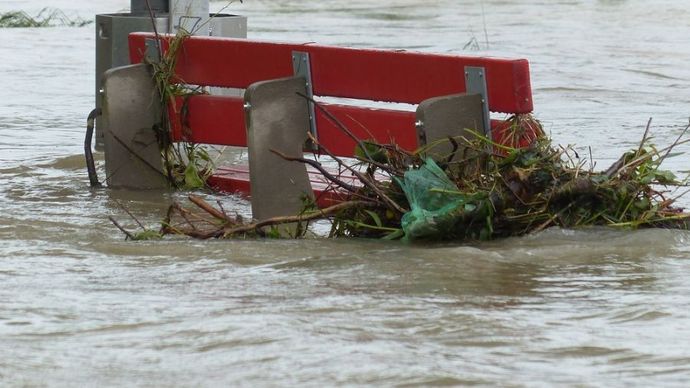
x,y
492,190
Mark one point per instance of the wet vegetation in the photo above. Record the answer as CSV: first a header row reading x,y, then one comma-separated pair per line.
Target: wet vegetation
x,y
47,17
187,165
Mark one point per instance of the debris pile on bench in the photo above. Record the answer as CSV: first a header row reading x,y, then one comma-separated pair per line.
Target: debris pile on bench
x,y
493,191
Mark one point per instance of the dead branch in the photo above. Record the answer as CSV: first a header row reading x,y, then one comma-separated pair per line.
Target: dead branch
x,y
205,206
368,183
130,214
122,229
319,214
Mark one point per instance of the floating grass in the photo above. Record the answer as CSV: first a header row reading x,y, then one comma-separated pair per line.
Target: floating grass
x,y
47,17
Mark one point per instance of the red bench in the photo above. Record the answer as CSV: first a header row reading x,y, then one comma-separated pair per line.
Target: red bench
x,y
363,74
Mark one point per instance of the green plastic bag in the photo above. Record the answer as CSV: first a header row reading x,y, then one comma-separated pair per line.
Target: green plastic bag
x,y
435,203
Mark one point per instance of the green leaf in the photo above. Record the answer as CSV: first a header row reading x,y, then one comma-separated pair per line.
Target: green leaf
x,y
642,204
398,234
647,179
371,151
375,217
665,177
191,178
274,232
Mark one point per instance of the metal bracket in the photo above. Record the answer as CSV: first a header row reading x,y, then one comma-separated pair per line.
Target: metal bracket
x,y
475,83
302,68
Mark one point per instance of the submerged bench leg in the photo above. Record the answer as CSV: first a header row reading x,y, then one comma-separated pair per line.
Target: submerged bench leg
x,y
448,116
131,107
277,119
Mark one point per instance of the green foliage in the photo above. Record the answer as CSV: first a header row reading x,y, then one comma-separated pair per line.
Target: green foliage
x,y
371,151
147,235
187,165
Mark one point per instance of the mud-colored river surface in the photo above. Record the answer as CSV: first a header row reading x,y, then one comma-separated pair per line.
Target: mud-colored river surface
x,y
79,306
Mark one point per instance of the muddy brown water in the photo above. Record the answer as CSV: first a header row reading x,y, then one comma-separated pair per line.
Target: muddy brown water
x,y
81,307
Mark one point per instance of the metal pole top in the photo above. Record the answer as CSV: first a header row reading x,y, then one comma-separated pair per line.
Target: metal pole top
x,y
158,6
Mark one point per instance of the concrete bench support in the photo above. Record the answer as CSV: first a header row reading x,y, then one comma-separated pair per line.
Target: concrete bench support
x,y
131,108
448,116
277,119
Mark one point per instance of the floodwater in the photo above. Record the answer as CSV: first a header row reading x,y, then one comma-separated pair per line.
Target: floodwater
x,y
79,306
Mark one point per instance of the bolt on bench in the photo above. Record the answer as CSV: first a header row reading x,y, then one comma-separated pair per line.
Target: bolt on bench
x,y
451,93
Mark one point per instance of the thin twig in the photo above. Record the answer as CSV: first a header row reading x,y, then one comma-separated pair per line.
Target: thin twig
x,y
123,230
319,167
675,143
645,136
338,124
129,214
552,219
456,146
486,33
222,209
155,29
183,213
131,151
367,182
646,156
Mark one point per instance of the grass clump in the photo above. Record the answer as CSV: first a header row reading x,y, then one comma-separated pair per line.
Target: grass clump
x,y
187,164
47,17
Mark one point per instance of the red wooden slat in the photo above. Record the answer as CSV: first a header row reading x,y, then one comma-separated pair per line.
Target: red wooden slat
x,y
378,75
232,180
383,125
220,120
210,120
235,180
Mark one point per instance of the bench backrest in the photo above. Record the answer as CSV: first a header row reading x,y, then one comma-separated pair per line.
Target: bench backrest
x,y
378,75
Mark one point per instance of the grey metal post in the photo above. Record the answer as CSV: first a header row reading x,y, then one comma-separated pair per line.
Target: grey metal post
x,y
157,6
112,31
